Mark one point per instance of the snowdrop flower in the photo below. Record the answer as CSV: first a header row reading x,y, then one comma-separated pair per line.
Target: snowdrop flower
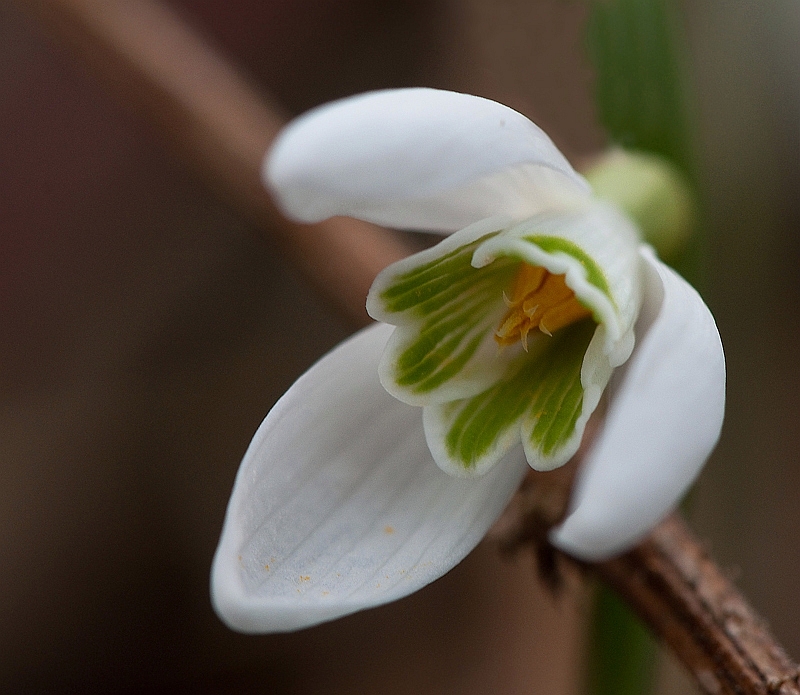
x,y
386,463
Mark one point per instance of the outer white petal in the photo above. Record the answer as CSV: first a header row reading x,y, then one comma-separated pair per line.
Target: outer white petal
x,y
338,505
665,417
418,159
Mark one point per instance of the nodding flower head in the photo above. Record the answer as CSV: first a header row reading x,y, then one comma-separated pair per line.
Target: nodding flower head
x,y
505,335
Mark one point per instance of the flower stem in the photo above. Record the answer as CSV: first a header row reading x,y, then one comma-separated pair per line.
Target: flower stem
x,y
623,652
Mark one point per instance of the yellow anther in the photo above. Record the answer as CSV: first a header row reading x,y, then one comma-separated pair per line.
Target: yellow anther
x,y
540,300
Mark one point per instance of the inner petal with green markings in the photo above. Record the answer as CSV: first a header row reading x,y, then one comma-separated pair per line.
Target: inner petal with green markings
x,y
508,334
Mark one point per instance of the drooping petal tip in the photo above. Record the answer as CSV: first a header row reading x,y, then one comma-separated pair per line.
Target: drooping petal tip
x,y
418,159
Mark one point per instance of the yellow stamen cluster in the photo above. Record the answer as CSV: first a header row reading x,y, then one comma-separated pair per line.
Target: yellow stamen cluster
x,y
538,300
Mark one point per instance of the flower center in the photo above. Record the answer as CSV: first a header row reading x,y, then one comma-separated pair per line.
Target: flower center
x,y
540,300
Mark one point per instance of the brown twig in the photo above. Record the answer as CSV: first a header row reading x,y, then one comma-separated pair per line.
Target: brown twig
x,y
675,586
672,583
222,125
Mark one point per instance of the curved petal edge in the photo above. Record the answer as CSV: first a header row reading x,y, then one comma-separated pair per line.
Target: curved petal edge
x,y
666,410
338,505
417,159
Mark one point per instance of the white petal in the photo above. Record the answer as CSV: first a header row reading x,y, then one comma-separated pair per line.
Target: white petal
x,y
417,159
664,419
338,505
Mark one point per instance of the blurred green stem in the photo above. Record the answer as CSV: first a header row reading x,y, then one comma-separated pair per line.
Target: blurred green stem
x,y
640,63
623,654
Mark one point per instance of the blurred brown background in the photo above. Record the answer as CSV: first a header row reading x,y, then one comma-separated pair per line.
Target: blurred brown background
x,y
145,329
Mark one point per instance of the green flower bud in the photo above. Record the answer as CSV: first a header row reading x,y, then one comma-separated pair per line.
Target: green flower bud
x,y
653,192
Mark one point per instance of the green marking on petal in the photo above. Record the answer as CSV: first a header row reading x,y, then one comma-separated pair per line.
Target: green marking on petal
x,y
455,293
594,273
450,368
559,402
546,391
452,305
484,419
444,345
425,355
428,281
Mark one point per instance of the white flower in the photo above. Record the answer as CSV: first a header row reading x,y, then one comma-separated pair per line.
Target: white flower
x,y
509,330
